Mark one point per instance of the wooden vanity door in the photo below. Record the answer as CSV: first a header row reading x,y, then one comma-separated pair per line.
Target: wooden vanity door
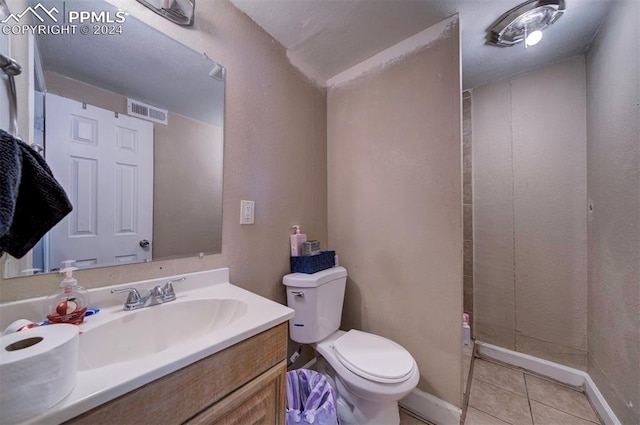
x,y
260,402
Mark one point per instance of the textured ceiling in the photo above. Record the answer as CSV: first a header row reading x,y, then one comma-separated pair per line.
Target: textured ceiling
x,y
329,36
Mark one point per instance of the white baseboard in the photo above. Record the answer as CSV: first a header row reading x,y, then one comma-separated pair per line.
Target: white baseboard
x,y
431,408
564,374
599,403
309,364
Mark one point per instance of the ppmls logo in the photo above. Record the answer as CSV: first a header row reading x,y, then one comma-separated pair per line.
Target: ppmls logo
x,y
38,12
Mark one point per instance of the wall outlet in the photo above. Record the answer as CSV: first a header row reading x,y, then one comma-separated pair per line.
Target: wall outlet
x,y
247,212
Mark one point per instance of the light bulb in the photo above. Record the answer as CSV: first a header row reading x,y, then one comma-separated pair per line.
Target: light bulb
x,y
534,38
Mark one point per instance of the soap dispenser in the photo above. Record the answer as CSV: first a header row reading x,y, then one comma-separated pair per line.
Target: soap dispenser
x,y
297,240
68,305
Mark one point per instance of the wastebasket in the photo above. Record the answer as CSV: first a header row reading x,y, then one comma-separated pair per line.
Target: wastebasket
x,y
310,399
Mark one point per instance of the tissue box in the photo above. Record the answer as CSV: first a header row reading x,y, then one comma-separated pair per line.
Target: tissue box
x,y
313,263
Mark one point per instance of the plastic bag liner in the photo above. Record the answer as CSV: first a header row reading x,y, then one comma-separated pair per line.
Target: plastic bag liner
x,y
310,399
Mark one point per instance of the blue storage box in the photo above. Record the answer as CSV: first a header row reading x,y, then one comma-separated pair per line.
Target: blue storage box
x,y
313,263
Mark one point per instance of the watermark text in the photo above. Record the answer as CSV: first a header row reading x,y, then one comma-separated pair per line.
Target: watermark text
x,y
39,20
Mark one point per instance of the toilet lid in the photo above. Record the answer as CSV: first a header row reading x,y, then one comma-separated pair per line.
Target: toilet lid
x,y
373,357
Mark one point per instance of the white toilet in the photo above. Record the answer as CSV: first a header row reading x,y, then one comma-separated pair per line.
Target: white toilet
x,y
369,373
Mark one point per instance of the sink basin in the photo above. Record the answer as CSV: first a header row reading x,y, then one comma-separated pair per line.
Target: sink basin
x,y
150,330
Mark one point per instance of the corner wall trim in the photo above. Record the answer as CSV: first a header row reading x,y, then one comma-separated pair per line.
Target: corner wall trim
x,y
564,374
431,408
393,53
599,403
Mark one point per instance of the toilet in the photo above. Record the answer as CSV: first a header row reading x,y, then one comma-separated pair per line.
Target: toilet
x,y
370,373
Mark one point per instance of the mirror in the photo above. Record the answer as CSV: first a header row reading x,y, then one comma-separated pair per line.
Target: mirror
x,y
133,131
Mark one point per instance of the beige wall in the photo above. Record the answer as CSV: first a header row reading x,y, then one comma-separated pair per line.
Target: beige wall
x,y
83,92
613,183
187,177
395,203
274,153
529,175
494,298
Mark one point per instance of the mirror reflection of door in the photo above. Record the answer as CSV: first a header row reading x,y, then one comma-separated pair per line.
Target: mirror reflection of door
x,y
86,146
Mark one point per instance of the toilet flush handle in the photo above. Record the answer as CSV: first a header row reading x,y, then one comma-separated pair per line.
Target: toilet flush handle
x,y
298,293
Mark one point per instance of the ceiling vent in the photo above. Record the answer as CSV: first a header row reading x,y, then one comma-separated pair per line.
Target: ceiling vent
x,y
518,23
147,112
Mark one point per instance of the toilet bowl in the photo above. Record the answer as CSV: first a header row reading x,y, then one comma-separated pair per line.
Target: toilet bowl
x,y
367,394
370,373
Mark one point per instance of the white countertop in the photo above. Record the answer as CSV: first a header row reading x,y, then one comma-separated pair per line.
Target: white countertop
x,y
100,385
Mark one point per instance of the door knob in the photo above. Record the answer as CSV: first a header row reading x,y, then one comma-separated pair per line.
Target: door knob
x,y
144,243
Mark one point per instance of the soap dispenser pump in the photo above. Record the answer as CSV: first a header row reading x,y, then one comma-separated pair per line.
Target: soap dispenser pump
x,y
68,305
297,239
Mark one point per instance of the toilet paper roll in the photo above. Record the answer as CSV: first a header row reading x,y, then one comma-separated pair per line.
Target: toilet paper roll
x,y
38,369
17,325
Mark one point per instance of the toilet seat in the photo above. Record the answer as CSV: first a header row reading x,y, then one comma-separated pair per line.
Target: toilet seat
x,y
374,357
363,387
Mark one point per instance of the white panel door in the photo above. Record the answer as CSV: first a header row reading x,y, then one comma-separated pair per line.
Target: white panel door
x,y
105,164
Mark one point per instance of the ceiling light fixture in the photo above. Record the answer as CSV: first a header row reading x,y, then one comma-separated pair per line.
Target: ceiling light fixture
x,y
533,38
525,21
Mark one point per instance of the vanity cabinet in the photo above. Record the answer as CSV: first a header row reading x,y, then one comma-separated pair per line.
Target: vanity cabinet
x,y
243,384
257,402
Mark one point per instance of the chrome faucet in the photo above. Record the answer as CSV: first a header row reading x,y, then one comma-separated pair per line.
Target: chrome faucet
x,y
157,295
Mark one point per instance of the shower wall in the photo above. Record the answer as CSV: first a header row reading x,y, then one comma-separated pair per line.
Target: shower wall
x,y
613,182
467,204
529,213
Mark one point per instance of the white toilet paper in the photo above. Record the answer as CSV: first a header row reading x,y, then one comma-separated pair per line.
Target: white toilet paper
x,y
17,325
37,370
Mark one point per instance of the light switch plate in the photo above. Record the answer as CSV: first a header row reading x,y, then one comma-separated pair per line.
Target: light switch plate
x,y
247,212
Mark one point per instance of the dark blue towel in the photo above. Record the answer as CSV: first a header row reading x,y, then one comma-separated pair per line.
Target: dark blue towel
x,y
10,167
31,200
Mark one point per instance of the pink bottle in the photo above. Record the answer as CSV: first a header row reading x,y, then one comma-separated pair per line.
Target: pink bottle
x,y
297,239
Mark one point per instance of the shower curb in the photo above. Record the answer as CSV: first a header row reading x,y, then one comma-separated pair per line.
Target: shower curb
x,y
566,375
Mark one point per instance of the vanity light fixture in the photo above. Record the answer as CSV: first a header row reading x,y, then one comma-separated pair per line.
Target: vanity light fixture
x,y
525,22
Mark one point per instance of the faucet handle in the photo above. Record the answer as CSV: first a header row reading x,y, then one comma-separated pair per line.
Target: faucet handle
x,y
157,291
132,300
169,293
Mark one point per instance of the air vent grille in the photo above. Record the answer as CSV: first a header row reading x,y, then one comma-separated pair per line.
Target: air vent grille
x,y
147,112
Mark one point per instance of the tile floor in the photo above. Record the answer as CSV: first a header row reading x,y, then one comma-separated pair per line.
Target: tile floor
x,y
503,395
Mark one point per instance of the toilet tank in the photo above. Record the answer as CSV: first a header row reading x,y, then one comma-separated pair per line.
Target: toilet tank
x,y
317,300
